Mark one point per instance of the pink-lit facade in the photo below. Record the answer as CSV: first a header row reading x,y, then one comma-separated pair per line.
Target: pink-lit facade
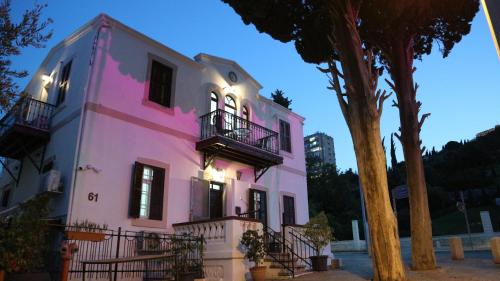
x,y
107,123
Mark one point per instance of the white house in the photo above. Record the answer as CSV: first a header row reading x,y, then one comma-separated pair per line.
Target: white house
x,y
130,133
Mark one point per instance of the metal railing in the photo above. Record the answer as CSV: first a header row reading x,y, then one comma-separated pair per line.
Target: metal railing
x,y
28,112
184,255
223,123
300,244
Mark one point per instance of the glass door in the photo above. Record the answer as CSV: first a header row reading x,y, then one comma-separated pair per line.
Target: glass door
x,y
216,200
258,205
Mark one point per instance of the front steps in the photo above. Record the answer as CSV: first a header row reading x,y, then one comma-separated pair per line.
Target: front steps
x,y
276,270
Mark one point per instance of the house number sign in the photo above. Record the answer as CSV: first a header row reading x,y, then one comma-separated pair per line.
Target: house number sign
x,y
93,196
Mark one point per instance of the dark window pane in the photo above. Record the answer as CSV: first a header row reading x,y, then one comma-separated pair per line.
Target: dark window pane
x,y
285,138
160,84
63,84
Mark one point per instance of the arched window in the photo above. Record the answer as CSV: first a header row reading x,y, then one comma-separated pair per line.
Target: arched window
x,y
230,105
230,116
214,101
245,113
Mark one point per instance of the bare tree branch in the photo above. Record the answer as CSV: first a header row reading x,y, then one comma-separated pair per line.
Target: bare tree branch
x,y
381,99
422,120
395,104
391,85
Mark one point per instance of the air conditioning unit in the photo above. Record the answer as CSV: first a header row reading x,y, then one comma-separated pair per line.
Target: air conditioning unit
x,y
52,181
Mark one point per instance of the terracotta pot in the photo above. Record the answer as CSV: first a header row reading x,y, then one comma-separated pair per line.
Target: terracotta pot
x,y
335,264
319,263
2,275
258,273
85,236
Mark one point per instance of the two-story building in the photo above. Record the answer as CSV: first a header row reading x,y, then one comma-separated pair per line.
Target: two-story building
x,y
127,132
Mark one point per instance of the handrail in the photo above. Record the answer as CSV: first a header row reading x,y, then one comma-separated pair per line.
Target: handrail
x,y
271,235
28,112
228,125
300,236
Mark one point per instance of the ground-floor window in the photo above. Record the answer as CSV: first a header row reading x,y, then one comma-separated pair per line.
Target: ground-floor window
x,y
146,200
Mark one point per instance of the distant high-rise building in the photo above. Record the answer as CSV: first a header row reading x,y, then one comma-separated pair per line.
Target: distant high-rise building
x,y
492,11
320,147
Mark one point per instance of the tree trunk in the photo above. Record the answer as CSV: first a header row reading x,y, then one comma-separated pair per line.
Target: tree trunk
x,y
385,245
363,118
401,64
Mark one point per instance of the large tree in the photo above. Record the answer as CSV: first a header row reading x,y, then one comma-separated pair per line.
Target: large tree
x,y
404,31
29,31
327,31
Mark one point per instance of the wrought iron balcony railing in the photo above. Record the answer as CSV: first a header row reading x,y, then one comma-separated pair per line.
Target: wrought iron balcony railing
x,y
27,112
223,123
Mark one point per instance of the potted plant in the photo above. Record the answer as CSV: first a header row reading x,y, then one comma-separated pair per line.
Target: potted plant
x,y
186,268
86,231
254,252
24,241
318,231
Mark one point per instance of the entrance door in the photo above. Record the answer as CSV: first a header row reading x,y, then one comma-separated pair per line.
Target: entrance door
x,y
216,200
258,202
288,210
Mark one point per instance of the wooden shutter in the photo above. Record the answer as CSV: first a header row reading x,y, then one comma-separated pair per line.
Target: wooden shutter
x,y
157,191
251,203
199,199
135,191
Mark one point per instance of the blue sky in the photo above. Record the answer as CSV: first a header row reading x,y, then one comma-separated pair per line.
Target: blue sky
x,y
461,92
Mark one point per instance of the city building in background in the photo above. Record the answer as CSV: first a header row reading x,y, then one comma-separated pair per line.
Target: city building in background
x,y
320,150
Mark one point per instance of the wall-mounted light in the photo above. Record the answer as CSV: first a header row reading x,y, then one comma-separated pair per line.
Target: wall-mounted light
x,y
217,174
229,90
47,80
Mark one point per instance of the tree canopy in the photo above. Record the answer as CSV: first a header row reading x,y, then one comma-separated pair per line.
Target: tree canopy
x,y
278,97
29,31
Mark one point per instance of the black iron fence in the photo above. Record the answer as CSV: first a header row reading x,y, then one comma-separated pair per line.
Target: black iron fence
x,y
223,123
100,248
28,112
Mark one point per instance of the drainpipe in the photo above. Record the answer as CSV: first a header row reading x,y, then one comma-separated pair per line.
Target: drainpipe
x,y
83,113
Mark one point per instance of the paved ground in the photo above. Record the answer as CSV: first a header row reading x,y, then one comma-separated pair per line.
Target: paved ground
x,y
477,266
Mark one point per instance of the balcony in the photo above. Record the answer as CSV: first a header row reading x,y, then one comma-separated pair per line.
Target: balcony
x,y
229,136
25,127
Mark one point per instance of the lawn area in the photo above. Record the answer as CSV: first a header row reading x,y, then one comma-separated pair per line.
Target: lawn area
x,y
454,223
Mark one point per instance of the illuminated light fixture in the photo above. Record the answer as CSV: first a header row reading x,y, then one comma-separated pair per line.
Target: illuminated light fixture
x,y
217,174
229,90
46,80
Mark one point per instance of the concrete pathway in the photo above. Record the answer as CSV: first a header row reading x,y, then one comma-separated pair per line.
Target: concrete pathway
x,y
477,266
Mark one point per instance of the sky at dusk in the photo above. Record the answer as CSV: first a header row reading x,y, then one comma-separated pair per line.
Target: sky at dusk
x,y
462,92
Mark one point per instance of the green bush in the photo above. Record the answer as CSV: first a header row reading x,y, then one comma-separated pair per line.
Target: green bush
x,y
254,246
319,232
23,237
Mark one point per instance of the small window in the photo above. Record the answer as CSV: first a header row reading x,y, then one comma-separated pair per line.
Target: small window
x,y
160,84
63,83
245,113
214,102
285,139
146,200
5,197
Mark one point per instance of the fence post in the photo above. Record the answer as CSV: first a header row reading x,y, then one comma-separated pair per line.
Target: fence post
x,y
117,252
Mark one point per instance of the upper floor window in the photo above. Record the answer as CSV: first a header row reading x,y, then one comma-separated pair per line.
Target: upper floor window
x,y
285,139
63,83
214,102
230,105
160,84
146,200
245,113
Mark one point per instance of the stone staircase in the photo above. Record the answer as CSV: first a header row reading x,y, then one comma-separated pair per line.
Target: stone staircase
x,y
276,266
